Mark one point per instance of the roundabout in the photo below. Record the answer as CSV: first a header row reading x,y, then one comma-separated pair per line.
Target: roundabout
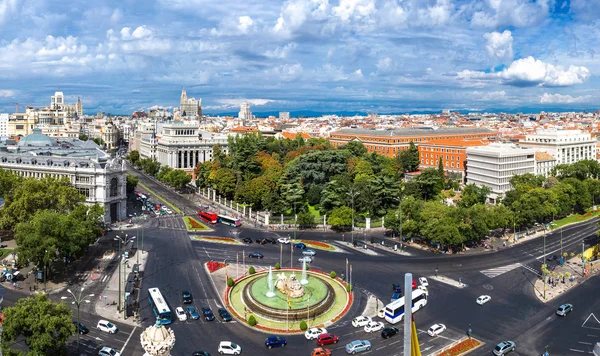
x,y
282,300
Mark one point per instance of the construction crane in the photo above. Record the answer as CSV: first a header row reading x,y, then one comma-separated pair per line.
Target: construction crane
x,y
25,105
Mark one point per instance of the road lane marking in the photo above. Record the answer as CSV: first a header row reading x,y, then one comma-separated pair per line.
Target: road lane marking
x,y
575,350
129,338
379,348
585,343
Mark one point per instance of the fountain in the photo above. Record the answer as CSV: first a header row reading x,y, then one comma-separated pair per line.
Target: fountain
x,y
304,280
270,293
157,340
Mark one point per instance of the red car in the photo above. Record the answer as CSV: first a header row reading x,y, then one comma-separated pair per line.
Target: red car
x,y
414,284
327,339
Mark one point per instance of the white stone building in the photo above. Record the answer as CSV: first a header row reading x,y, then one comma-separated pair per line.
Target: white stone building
x,y
495,164
544,163
245,113
4,125
98,177
567,146
190,107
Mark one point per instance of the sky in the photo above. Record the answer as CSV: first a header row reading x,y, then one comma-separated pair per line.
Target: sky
x,y
385,56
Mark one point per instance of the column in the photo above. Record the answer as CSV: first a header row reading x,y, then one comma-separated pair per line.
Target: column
x,y
368,225
214,195
219,199
250,213
225,201
244,211
237,208
383,222
281,219
231,204
267,218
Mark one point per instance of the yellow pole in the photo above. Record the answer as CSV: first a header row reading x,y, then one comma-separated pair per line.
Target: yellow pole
x,y
415,349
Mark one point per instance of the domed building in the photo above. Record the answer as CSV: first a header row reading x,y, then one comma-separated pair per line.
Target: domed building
x,y
98,176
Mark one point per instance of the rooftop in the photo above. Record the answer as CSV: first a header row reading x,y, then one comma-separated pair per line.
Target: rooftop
x,y
425,131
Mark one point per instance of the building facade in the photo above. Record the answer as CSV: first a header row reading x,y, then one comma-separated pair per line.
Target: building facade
x,y
190,107
79,108
4,125
494,165
100,178
392,142
566,146
245,113
544,163
284,115
452,152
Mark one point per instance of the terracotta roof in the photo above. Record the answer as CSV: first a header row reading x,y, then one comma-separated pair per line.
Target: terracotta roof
x,y
243,129
543,156
292,135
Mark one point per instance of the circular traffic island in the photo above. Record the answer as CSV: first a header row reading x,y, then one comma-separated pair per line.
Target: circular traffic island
x,y
281,300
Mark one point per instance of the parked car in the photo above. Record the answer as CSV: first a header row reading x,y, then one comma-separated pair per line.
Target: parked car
x,y
283,240
181,315
306,259
358,346
397,288
389,332
193,313
483,299
436,329
423,281
275,341
321,351
564,309
309,253
327,339
107,326
256,255
373,326
80,328
186,297
247,240
361,321
314,333
261,241
504,347
208,314
229,348
300,246
270,240
224,314
107,351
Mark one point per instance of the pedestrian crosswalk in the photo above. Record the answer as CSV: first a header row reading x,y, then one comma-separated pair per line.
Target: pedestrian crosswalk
x,y
495,272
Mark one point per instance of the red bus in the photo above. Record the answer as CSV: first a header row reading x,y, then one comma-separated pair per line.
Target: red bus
x,y
208,216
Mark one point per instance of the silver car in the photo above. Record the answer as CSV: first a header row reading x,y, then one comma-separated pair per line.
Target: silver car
x,y
309,252
306,259
504,347
564,309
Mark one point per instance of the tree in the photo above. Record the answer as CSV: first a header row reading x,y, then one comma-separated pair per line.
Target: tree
x,y
303,325
134,157
356,148
83,137
251,320
441,168
426,185
473,194
306,219
202,172
149,166
163,174
340,217
225,181
317,167
178,179
132,182
409,159
98,141
45,325
313,196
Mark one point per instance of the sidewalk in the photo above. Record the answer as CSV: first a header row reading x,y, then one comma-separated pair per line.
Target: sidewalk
x,y
564,277
106,304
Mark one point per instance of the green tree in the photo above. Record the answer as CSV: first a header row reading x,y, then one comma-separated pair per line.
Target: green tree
x,y
473,194
356,148
178,179
293,195
313,196
251,320
441,168
134,157
303,325
83,137
98,141
306,219
163,174
335,193
409,159
340,217
225,181
202,172
45,325
132,182
426,185
149,166
317,167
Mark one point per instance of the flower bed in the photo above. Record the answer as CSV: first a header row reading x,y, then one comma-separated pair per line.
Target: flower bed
x,y
192,224
318,245
214,266
217,239
461,348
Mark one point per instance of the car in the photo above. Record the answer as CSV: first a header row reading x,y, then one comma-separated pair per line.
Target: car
x,y
208,314
186,297
504,347
107,351
552,258
181,315
321,351
229,348
483,299
270,240
275,341
397,288
314,333
396,296
423,281
327,339
256,255
414,284
358,346
373,326
247,240
309,252
107,326
361,321
436,329
381,313
224,314
389,332
193,313
300,246
564,309
283,240
82,329
306,259
261,241
201,353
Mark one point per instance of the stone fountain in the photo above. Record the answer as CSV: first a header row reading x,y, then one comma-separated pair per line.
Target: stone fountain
x,y
304,280
157,340
271,292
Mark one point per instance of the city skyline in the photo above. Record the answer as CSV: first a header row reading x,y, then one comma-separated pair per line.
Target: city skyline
x,y
302,55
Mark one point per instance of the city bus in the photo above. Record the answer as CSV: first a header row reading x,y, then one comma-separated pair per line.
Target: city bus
x,y
394,312
228,220
208,216
159,306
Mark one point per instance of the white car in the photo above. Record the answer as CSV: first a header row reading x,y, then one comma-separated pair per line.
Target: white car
x,y
483,299
107,351
361,321
309,253
423,281
436,329
229,348
107,326
373,326
314,333
306,259
283,240
181,315
381,313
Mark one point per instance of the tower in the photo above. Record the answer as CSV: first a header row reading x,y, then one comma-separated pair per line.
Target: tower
x,y
183,99
79,108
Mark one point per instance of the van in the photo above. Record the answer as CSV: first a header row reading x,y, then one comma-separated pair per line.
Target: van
x,y
126,254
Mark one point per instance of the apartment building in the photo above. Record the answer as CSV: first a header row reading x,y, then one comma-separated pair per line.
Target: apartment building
x,y
567,146
453,153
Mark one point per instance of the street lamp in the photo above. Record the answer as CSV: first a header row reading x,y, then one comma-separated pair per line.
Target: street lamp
x,y
77,300
352,194
124,242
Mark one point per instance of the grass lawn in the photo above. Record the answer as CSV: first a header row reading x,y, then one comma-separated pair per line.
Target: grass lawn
x,y
5,252
192,224
219,240
574,218
176,209
317,245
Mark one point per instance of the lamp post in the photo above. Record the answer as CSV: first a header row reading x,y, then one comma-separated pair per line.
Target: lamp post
x,y
137,242
352,194
124,242
45,267
77,300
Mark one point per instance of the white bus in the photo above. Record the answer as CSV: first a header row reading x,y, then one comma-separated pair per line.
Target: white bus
x,y
159,306
394,312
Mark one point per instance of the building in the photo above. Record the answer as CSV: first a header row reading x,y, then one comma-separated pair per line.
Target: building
x,y
567,146
494,165
544,163
79,108
4,125
100,178
391,142
190,107
245,113
284,115
453,153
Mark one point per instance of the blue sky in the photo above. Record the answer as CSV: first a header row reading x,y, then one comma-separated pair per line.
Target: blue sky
x,y
320,55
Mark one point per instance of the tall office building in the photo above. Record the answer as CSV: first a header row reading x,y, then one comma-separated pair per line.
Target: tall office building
x,y
284,115
190,107
245,113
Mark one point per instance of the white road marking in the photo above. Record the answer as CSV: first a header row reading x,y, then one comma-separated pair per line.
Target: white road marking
x,y
575,350
585,343
495,272
129,338
104,279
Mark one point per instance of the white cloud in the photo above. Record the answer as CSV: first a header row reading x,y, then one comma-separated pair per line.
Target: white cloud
x,y
245,23
529,72
237,102
564,99
384,64
125,33
286,72
6,8
141,32
437,14
116,16
499,45
295,13
5,93
518,13
361,10
281,52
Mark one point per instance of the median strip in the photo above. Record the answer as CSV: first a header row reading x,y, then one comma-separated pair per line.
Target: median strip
x,y
176,209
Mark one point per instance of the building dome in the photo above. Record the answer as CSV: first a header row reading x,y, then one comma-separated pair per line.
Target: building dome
x,y
37,139
157,340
